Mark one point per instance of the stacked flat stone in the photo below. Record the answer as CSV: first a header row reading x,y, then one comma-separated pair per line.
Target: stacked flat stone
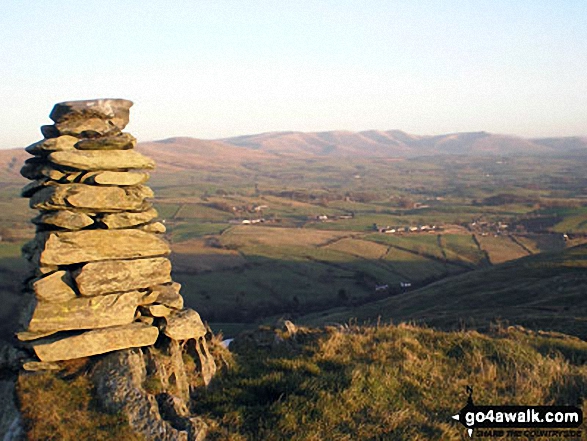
x,y
102,278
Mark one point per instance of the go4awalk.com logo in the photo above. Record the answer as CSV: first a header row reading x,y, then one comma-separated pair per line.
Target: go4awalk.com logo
x,y
520,421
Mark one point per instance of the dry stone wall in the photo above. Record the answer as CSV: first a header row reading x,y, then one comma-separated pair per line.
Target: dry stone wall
x,y
102,278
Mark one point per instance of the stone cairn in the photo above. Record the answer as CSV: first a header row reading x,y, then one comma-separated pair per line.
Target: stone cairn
x,y
102,279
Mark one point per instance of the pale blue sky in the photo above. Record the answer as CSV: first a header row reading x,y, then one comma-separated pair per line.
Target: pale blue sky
x,y
212,69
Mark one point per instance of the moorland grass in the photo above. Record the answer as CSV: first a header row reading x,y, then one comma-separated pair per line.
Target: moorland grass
x,y
384,382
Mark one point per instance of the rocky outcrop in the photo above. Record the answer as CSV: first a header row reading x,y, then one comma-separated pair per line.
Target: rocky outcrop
x,y
102,279
119,379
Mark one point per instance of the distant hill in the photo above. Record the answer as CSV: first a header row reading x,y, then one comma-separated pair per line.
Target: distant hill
x,y
10,164
534,291
181,153
171,155
397,143
191,153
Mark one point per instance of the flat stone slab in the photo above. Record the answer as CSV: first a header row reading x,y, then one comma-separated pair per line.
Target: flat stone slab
x,y
184,325
167,295
99,341
115,178
70,247
102,160
32,187
124,141
58,144
71,220
36,366
85,313
90,197
97,278
105,108
33,167
128,219
28,336
159,310
154,227
85,128
55,287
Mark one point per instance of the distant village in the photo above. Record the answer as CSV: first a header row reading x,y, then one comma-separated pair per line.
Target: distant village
x,y
410,229
486,228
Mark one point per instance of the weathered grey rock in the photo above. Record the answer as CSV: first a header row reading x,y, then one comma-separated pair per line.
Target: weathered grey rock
x,y
35,366
69,176
30,336
52,145
49,131
102,160
32,187
31,171
119,379
124,141
32,168
37,168
55,287
114,109
167,295
56,175
207,363
166,364
46,269
159,310
98,341
71,220
183,325
154,227
108,198
90,197
96,278
31,251
128,219
85,313
179,371
69,247
145,319
86,128
115,178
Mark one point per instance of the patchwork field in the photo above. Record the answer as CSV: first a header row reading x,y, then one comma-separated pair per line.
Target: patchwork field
x,y
255,239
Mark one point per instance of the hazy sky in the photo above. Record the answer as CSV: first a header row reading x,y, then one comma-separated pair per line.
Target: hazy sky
x,y
212,69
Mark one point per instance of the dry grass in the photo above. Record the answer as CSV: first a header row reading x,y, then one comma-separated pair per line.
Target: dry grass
x,y
360,248
242,237
61,407
195,256
501,249
385,382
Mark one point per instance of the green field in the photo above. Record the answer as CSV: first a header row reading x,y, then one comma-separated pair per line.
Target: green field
x,y
294,263
544,291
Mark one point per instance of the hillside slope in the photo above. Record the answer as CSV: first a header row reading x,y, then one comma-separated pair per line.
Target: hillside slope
x,y
181,153
385,382
175,154
352,383
544,291
395,143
